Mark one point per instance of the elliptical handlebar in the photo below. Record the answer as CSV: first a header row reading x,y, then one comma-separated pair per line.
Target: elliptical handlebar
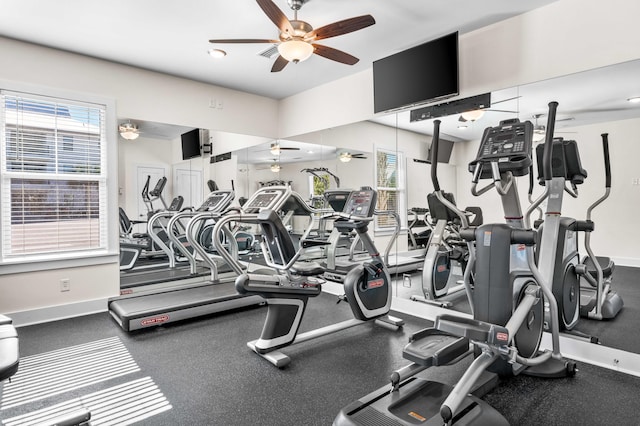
x,y
434,177
548,142
434,155
607,161
607,171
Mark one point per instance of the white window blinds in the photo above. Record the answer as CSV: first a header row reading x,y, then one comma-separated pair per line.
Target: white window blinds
x,y
53,176
390,186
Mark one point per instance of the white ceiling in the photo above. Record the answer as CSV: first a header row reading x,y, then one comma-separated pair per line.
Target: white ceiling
x,y
172,36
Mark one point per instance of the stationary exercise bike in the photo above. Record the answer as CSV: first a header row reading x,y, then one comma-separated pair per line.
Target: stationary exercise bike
x,y
367,285
508,318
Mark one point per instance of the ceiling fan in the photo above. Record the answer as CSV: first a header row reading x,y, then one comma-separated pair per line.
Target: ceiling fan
x,y
275,148
345,157
297,38
129,130
540,130
476,114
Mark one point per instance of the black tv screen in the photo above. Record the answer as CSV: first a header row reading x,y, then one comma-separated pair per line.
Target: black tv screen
x,y
417,75
191,144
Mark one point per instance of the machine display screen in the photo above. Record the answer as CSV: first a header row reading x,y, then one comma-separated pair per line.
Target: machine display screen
x,y
360,203
261,200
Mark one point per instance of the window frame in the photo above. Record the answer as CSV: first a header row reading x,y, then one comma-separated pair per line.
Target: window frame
x,y
108,254
400,189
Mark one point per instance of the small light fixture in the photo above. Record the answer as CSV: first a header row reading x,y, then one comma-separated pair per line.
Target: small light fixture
x,y
634,99
275,167
345,157
295,50
129,131
463,127
473,115
217,53
275,149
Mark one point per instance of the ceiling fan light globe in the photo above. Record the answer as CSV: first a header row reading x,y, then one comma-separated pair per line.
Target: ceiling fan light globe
x,y
129,131
295,50
474,115
345,157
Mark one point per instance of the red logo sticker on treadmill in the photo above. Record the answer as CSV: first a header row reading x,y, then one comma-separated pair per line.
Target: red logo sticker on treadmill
x,y
441,268
521,247
123,292
155,320
375,283
502,337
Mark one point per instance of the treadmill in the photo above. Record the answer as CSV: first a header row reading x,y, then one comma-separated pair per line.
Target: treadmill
x,y
212,295
167,275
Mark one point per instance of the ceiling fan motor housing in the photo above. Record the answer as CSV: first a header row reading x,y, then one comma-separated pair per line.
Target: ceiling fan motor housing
x,y
296,4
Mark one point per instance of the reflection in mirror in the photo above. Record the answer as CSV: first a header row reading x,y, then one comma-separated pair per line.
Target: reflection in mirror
x,y
590,103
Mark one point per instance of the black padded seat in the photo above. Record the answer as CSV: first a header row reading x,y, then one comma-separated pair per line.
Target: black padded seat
x,y
9,355
606,264
307,269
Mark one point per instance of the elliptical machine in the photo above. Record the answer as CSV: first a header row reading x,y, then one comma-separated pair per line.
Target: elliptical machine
x,y
508,317
597,299
442,248
367,286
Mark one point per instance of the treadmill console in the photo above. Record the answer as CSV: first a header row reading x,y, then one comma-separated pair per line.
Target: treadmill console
x,y
509,145
264,198
361,203
216,201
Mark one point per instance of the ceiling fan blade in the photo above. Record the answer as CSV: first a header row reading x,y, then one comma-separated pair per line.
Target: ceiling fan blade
x,y
275,14
244,40
342,27
279,64
505,100
334,54
501,110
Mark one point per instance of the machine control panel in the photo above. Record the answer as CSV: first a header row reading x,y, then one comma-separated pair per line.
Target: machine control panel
x,y
508,144
361,203
507,140
264,198
216,201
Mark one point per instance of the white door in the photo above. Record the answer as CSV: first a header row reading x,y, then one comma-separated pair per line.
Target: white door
x,y
188,183
155,173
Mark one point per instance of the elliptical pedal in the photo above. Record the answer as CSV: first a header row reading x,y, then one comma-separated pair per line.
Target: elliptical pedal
x,y
431,348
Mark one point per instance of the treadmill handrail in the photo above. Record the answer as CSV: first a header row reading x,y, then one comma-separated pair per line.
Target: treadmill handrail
x,y
206,257
156,220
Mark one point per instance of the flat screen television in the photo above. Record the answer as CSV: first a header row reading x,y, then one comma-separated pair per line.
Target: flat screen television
x,y
418,75
191,144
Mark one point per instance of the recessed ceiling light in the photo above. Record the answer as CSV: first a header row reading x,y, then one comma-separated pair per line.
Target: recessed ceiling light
x,y
217,53
635,99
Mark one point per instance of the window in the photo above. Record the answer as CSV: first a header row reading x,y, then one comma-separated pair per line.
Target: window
x,y
390,184
53,178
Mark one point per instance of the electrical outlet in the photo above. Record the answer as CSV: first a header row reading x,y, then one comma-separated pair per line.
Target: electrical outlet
x,y
65,284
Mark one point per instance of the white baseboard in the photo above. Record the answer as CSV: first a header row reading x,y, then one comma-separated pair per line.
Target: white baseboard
x,y
55,313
